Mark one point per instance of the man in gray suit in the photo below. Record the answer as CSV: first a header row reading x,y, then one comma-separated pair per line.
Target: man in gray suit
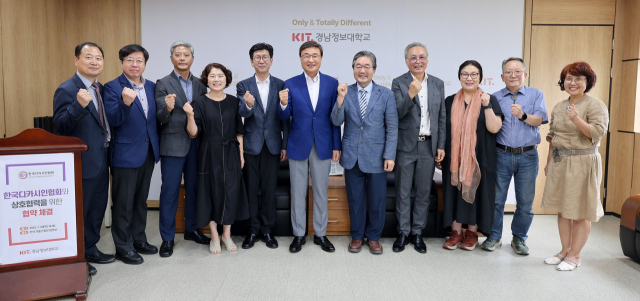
x,y
178,151
265,143
421,137
369,143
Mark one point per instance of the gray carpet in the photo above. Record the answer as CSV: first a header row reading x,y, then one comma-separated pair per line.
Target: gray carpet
x,y
192,273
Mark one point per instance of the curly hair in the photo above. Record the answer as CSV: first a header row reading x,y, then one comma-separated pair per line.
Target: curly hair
x,y
204,78
578,69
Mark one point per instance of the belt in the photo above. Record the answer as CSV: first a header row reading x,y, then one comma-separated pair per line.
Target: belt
x,y
424,137
515,150
558,153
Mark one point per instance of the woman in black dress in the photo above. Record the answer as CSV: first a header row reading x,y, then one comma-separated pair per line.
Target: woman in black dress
x,y
468,178
215,120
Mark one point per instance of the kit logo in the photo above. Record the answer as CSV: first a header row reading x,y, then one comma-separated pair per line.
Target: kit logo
x,y
300,37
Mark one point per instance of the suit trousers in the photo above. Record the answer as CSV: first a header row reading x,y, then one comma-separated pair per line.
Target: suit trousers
x,y
130,191
299,170
95,194
172,169
414,168
366,191
260,174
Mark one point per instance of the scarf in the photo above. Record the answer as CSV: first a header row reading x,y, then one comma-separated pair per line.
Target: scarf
x,y
465,171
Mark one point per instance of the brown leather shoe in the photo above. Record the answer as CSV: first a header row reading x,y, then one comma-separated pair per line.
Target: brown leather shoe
x,y
355,246
454,241
374,246
470,241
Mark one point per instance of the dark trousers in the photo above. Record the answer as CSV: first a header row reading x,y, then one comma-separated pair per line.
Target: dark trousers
x,y
130,191
95,194
361,187
260,174
172,169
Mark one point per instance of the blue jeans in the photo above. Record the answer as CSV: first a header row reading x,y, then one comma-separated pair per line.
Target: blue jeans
x,y
524,169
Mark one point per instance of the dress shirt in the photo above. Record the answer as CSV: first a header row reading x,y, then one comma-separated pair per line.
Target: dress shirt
x,y
94,100
263,89
142,95
313,86
516,133
423,96
187,85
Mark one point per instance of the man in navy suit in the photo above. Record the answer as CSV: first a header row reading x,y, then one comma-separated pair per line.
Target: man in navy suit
x,y
370,118
265,143
78,111
131,110
313,141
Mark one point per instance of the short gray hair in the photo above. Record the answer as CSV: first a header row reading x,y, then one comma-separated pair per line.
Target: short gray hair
x,y
517,59
368,54
414,44
180,43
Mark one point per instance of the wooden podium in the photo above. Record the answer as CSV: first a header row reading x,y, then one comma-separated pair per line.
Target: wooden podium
x,y
51,277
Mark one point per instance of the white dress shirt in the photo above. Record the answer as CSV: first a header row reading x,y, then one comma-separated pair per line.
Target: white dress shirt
x,y
313,85
423,96
263,89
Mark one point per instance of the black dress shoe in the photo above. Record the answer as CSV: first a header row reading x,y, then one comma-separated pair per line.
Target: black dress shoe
x,y
198,237
271,241
130,257
145,248
249,241
418,243
324,242
99,257
401,241
92,270
166,249
296,244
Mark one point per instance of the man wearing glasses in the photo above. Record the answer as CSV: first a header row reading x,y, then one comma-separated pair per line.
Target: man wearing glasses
x,y
265,143
524,111
313,142
421,139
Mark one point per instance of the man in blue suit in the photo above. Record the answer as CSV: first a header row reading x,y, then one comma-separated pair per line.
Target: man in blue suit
x,y
265,143
78,111
370,118
131,110
313,141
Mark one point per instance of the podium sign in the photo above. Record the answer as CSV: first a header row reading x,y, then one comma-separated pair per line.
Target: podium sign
x,y
37,208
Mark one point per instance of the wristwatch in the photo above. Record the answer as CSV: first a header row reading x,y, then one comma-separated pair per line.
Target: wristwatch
x,y
487,107
524,117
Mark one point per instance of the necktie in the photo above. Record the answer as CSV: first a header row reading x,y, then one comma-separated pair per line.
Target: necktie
x,y
100,108
363,103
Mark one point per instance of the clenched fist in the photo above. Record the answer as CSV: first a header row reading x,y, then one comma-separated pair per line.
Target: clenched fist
x,y
284,97
188,109
342,92
414,88
572,112
485,99
516,110
128,96
249,99
170,100
84,97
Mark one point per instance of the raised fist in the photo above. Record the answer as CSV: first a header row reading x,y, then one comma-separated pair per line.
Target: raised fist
x,y
414,88
249,99
170,100
84,97
485,99
128,96
284,97
342,92
188,109
572,112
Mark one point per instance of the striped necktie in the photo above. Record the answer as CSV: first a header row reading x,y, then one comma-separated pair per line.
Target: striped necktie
x,y
363,102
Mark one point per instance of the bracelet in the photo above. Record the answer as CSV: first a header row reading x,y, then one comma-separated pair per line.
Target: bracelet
x,y
487,107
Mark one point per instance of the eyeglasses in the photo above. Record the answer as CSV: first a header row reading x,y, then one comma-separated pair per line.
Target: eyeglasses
x,y
576,80
261,58
415,59
517,72
309,56
466,75
130,61
365,67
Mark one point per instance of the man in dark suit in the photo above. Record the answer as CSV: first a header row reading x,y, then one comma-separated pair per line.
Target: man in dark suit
x,y
421,137
78,111
313,141
265,143
178,151
131,110
369,145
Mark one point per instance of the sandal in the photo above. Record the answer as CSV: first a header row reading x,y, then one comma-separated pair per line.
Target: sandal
x,y
229,245
564,266
555,260
214,247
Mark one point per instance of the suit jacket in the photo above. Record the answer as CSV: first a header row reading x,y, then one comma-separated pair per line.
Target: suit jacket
x,y
174,139
308,125
409,113
258,126
71,119
371,139
132,131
